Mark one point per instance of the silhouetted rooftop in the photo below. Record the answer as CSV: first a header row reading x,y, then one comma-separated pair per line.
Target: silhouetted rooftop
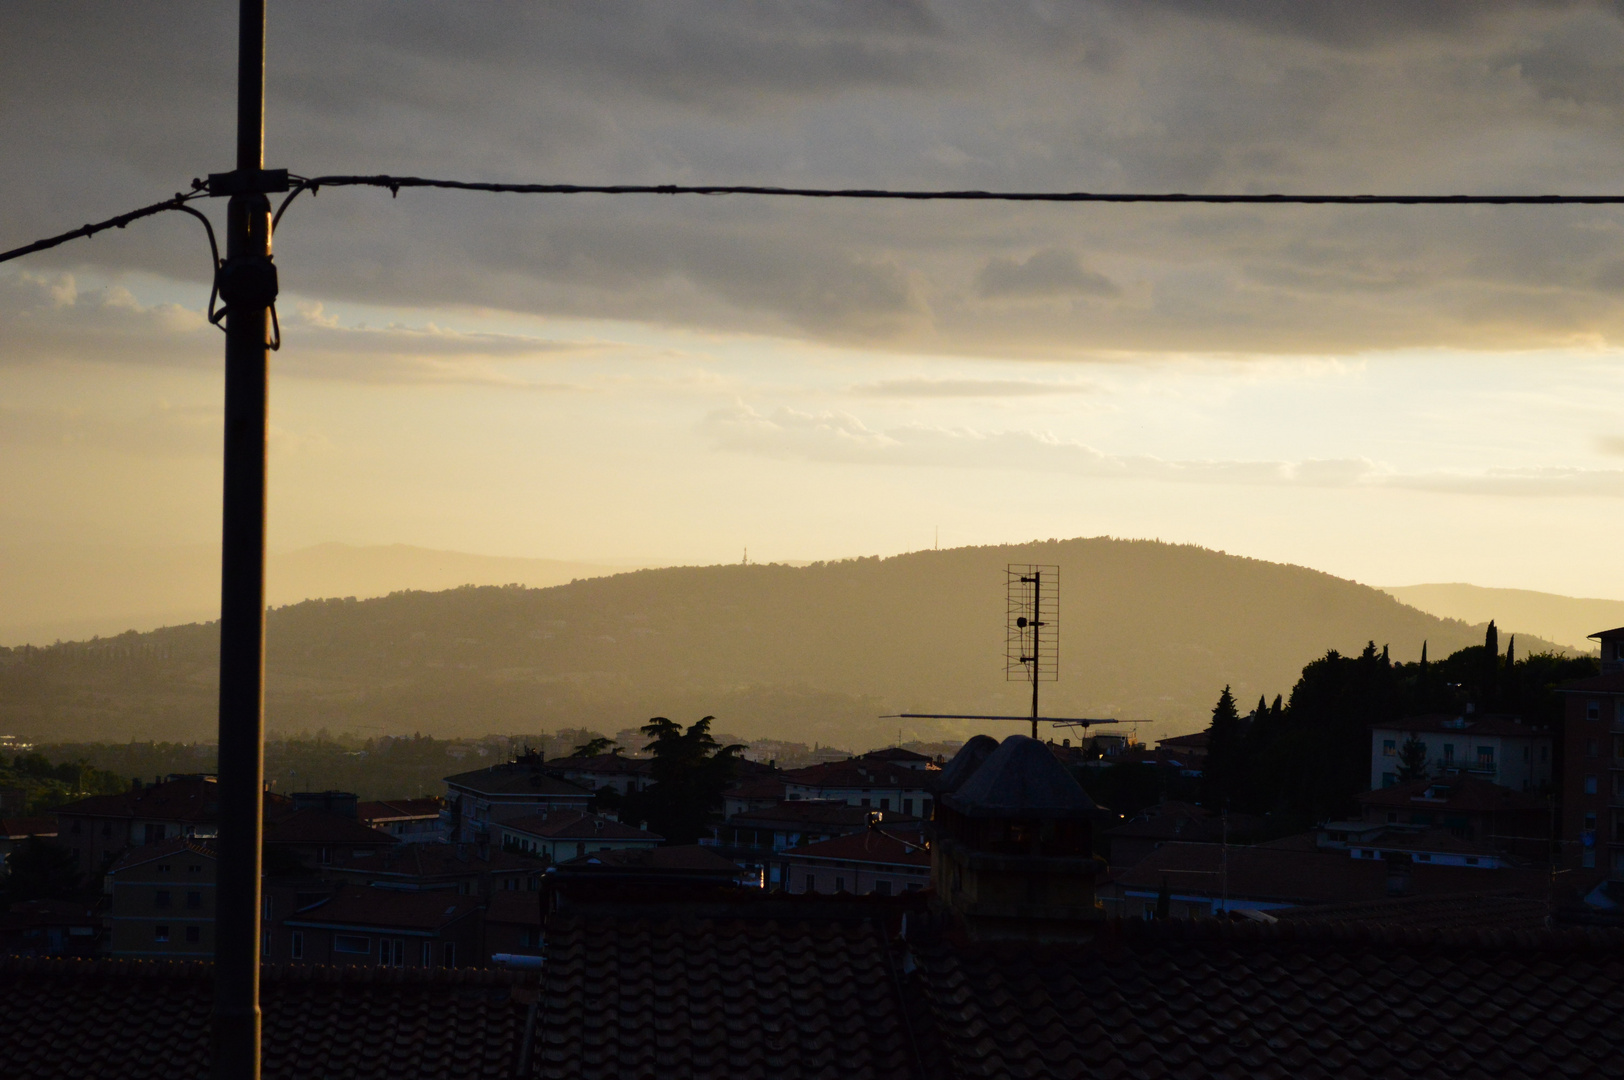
x,y
969,758
1021,779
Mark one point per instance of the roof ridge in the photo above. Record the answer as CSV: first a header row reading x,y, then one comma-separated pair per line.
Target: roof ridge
x,y
270,973
1355,932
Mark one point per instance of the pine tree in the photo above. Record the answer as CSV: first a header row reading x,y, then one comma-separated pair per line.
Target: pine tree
x,y
1491,666
1220,774
1412,757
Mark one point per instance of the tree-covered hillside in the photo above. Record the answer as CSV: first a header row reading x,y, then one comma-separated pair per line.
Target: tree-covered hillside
x,y
812,653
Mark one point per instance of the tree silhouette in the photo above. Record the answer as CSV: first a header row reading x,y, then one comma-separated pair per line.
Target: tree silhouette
x,y
1222,771
690,771
1412,760
595,746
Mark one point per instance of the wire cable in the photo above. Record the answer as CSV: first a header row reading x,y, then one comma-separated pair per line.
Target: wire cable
x,y
178,202
396,183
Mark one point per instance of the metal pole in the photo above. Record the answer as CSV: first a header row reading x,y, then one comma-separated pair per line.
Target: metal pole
x,y
242,580
1037,611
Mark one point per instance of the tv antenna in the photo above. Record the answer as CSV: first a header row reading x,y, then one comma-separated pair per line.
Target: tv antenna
x,y
1031,644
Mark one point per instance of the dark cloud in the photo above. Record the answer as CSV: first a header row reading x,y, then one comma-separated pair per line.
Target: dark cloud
x,y
1052,272
103,107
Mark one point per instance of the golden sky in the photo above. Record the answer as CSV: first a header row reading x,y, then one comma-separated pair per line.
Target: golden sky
x,y
1393,394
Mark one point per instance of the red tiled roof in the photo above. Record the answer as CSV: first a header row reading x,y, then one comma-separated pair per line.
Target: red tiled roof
x,y
1196,741
144,1020
895,753
517,907
807,812
757,787
1468,724
398,809
190,799
674,858
1472,911
574,825
1466,794
1596,684
858,773
314,826
407,909
442,861
1284,875
137,856
1216,999
866,846
516,779
719,998
16,828
604,765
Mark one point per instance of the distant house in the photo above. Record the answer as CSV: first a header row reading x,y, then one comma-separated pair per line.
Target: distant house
x,y
1172,822
1592,773
867,781
464,869
1190,748
564,834
16,830
375,927
752,793
317,838
1468,809
885,863
601,772
752,837
512,925
162,901
103,827
516,789
1500,749
1208,879
907,759
408,821
52,928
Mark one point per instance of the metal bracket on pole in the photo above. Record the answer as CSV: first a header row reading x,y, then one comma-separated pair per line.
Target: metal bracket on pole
x,y
248,182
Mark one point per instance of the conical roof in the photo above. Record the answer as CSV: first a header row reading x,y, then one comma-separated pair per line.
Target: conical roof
x,y
1021,779
970,757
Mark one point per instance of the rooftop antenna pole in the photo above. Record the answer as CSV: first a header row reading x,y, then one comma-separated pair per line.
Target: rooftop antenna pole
x,y
1037,605
247,283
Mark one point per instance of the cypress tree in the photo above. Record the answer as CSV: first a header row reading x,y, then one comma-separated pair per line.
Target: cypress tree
x,y
1221,771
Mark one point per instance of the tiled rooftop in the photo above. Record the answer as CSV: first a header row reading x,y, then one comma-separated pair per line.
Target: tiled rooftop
x,y
140,1020
1463,793
360,905
572,824
868,846
1466,912
1468,724
398,810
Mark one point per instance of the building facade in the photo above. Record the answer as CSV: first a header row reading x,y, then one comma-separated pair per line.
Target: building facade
x,y
883,863
162,902
520,788
1593,764
1501,749
567,834
870,782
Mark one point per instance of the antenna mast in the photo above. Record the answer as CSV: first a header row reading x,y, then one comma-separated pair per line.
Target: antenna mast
x,y
1032,627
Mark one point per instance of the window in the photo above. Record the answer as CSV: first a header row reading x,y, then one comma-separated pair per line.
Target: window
x,y
866,803
907,807
450,954
1471,860
75,828
194,868
1485,757
194,901
1588,860
160,933
296,945
325,856
1590,785
352,945
392,953
811,883
1528,752
163,868
840,884
927,804
1590,823
1389,748
267,912
1590,749
885,804
265,944
194,934
107,830
152,834
882,888
1592,710
426,959
160,899
1449,752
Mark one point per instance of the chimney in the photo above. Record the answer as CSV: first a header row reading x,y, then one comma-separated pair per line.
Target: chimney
x,y
1012,852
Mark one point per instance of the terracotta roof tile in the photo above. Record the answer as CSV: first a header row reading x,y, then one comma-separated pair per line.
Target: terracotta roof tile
x,y
1463,793
398,809
572,824
313,826
360,905
141,1020
867,846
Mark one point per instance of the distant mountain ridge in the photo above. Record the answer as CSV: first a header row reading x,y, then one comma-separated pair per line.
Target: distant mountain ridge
x,y
1148,631
1567,620
64,591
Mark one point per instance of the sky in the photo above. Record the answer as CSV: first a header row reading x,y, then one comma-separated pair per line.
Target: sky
x,y
1395,395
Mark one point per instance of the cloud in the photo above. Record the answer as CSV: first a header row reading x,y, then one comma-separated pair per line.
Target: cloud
x,y
1052,272
923,387
839,437
113,106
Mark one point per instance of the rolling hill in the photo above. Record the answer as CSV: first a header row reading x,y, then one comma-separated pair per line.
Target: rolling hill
x,y
1149,632
1567,620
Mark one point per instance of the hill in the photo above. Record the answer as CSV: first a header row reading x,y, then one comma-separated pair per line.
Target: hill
x,y
1149,631
1567,620
55,591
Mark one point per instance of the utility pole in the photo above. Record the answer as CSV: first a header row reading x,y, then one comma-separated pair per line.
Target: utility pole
x,y
248,287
